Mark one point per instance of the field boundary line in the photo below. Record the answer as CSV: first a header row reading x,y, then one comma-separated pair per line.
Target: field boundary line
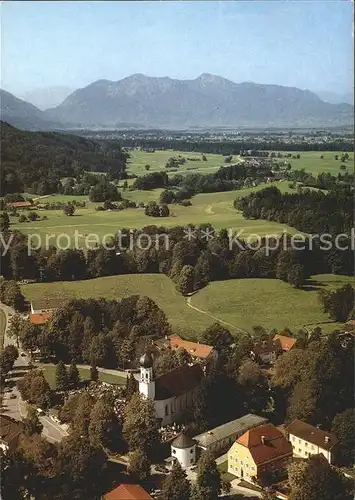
x,y
188,302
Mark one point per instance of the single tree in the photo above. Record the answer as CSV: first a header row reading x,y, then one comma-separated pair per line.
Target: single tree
x,y
208,480
139,465
73,376
343,428
131,386
69,209
140,427
315,479
61,377
176,486
103,424
32,424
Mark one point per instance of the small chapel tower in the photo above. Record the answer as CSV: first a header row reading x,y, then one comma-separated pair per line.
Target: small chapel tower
x,y
146,382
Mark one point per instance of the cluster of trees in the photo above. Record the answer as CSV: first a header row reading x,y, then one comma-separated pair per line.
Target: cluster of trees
x,y
225,179
190,264
309,211
8,356
154,210
97,332
238,146
339,304
11,295
175,162
49,156
104,190
35,389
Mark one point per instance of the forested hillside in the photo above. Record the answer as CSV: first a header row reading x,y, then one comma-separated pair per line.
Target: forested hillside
x,y
35,161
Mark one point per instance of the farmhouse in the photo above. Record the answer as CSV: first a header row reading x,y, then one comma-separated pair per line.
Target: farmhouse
x,y
307,440
220,438
199,352
10,431
127,492
266,351
42,310
172,393
258,451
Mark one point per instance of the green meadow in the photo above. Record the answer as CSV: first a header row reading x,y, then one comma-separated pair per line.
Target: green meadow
x,y
312,162
240,304
214,208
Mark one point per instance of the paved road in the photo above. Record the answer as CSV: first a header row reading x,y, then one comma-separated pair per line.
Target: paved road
x,y
13,405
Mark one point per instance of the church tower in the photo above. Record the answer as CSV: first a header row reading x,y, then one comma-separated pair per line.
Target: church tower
x,y
146,382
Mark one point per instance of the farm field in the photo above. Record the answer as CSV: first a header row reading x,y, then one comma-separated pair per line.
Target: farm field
x,y
268,302
214,208
240,304
312,162
157,160
49,375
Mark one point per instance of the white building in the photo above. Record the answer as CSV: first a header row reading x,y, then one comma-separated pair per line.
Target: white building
x,y
172,393
308,440
183,449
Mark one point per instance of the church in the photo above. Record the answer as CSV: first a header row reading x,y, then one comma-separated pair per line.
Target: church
x,y
172,393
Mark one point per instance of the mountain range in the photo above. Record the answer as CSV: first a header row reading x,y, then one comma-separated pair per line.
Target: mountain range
x,y
209,101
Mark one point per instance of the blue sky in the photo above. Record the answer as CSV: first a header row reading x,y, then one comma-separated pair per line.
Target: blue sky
x,y
300,43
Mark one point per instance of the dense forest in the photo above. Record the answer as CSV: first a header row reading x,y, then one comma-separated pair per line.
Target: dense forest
x,y
36,161
307,210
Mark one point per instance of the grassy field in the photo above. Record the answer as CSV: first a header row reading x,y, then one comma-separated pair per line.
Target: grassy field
x,y
268,302
49,374
2,328
214,208
157,286
241,304
157,160
312,162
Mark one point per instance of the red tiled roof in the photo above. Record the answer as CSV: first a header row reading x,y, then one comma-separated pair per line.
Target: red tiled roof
x,y
19,204
311,434
127,492
178,381
40,318
195,349
286,342
266,443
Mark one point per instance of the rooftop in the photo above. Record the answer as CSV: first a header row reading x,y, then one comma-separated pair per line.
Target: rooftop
x,y
40,318
127,492
47,303
286,342
178,381
265,443
311,434
183,441
266,346
10,430
237,426
19,204
195,349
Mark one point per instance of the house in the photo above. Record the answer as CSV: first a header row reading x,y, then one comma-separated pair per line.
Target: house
x,y
219,439
45,305
309,440
198,352
287,343
258,451
10,432
266,351
172,393
19,205
40,318
127,492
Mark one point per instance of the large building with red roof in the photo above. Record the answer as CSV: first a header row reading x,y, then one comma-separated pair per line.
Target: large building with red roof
x,y
258,451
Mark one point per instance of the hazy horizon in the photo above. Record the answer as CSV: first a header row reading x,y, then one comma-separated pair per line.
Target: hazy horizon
x,y
307,45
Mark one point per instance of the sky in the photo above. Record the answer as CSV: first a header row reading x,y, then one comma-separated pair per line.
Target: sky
x,y
294,43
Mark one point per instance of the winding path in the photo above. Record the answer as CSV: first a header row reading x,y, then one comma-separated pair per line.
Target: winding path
x,y
206,313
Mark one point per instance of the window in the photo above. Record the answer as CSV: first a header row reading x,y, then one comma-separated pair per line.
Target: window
x,y
299,441
299,450
191,451
191,460
166,410
306,444
312,447
174,451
